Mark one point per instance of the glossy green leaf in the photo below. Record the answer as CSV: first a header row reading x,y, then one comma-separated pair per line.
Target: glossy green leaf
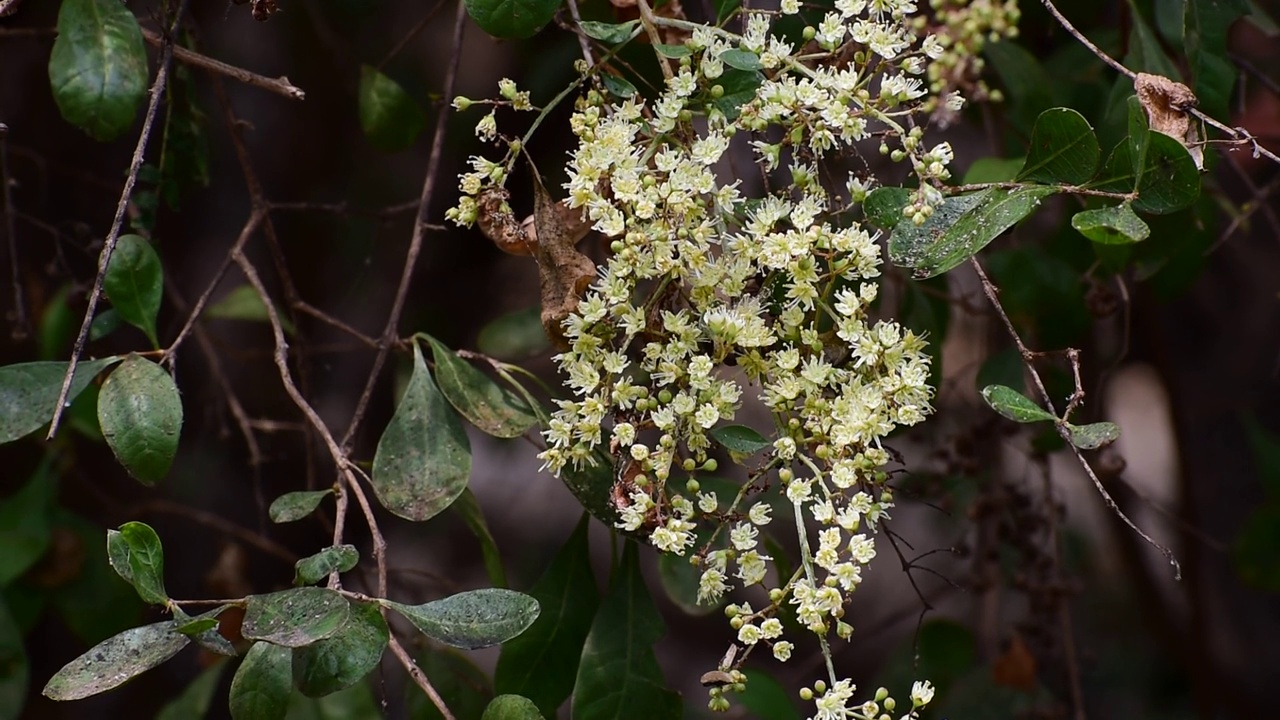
x,y
389,117
467,688
115,660
1093,435
103,324
314,568
511,707
1157,166
741,59
468,508
194,701
1115,225
1063,149
25,524
140,412
423,460
244,303
118,555
1014,405
14,670
489,406
472,619
739,89
619,676
618,86
1204,35
134,283
514,336
542,662
146,562
675,52
294,618
341,661
29,393
592,485
512,18
610,33
296,505
766,698
192,627
960,227
98,67
883,206
261,687
740,438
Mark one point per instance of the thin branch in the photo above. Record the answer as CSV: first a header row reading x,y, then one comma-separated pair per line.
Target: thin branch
x,y
279,86
577,31
335,322
413,33
109,245
217,522
1028,360
390,333
1073,189
22,326
415,672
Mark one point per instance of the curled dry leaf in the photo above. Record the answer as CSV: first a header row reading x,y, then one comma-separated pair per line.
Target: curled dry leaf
x,y
565,273
496,221
1166,103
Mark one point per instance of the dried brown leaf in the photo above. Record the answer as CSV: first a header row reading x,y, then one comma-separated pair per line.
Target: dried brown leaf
x,y
1166,103
565,273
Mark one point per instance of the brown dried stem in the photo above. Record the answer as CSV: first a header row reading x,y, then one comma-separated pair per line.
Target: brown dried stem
x,y
279,86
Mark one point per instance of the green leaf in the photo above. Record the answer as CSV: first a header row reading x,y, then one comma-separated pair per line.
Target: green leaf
x,y
542,663
103,324
739,438
1063,149
25,524
423,460
115,660
98,67
725,8
511,707
296,505
196,626
467,688
388,116
140,412
195,700
294,618
260,689
1145,53
244,303
134,283
619,676
680,578
14,669
741,59
1093,435
960,227
766,698
610,33
489,406
315,568
514,336
1156,166
354,703
617,85
29,393
342,660
512,18
1014,405
592,485
739,89
883,206
473,619
118,555
146,562
1204,34
468,508
675,52
1115,225
1027,85
985,170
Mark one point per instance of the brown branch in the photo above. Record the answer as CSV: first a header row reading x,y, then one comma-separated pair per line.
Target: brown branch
x,y
279,86
217,522
109,245
1073,189
335,322
416,673
390,333
413,33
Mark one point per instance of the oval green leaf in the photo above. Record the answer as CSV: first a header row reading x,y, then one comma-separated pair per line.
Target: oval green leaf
x,y
511,707
338,662
883,206
1093,435
1014,405
514,336
111,662
675,52
140,412
294,618
473,619
315,568
610,33
118,555
492,408
512,18
260,690
741,59
296,505
423,460
98,67
244,303
1117,225
134,283
960,227
388,116
739,438
146,561
1063,149
29,393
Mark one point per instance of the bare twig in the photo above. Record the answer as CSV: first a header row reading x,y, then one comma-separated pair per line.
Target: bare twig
x,y
418,676
413,33
21,327
335,322
279,86
390,333
217,522
1028,360
109,245
1072,189
577,31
